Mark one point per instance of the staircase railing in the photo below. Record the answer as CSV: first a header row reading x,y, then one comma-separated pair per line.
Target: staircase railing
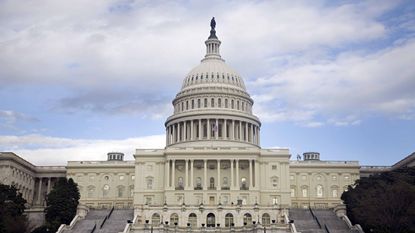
x,y
314,216
93,229
106,217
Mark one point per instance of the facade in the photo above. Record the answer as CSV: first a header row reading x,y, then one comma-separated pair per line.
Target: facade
x,y
212,170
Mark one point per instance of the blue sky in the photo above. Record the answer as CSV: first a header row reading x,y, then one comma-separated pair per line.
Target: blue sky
x,y
79,79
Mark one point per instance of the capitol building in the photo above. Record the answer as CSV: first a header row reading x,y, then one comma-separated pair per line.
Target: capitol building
x,y
213,172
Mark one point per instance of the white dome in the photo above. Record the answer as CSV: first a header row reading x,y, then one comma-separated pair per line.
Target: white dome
x,y
213,71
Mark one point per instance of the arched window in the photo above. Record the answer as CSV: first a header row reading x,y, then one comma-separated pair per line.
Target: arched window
x,y
131,190
219,102
228,220
292,188
193,220
226,103
198,103
193,104
91,191
174,219
155,219
212,183
149,182
205,103
232,104
247,219
319,190
212,102
105,190
266,220
304,191
210,220
243,183
121,190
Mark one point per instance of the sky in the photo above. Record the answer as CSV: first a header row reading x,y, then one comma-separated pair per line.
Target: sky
x,y
79,79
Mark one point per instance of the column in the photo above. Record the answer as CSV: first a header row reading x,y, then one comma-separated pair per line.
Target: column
x,y
250,175
216,129
225,130
191,130
191,174
186,184
167,173
232,175
256,174
200,129
258,135
173,168
167,136
174,133
184,131
48,190
208,129
246,132
237,174
205,175
39,191
252,133
233,130
218,183
240,131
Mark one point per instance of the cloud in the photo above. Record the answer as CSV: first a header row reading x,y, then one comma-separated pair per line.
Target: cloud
x,y
346,89
117,102
9,119
307,53
45,150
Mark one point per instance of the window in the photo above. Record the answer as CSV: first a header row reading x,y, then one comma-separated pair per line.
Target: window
x,y
131,190
334,178
187,105
121,177
334,193
193,220
198,103
291,177
266,219
305,191
91,191
292,192
318,178
132,177
212,183
155,219
247,219
319,191
274,181
180,182
228,220
346,177
212,102
274,200
205,103
232,104
243,183
198,183
106,178
174,219
149,182
105,190
210,220
225,182
274,167
237,104
193,104
226,103
121,191
225,200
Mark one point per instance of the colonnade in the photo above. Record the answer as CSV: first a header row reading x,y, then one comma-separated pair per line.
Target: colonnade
x,y
212,129
231,174
40,192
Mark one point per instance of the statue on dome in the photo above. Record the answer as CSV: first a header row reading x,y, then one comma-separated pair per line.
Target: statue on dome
x,y
213,23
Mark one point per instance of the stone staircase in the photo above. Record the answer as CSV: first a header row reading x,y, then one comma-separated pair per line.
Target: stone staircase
x,y
305,222
323,221
114,224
